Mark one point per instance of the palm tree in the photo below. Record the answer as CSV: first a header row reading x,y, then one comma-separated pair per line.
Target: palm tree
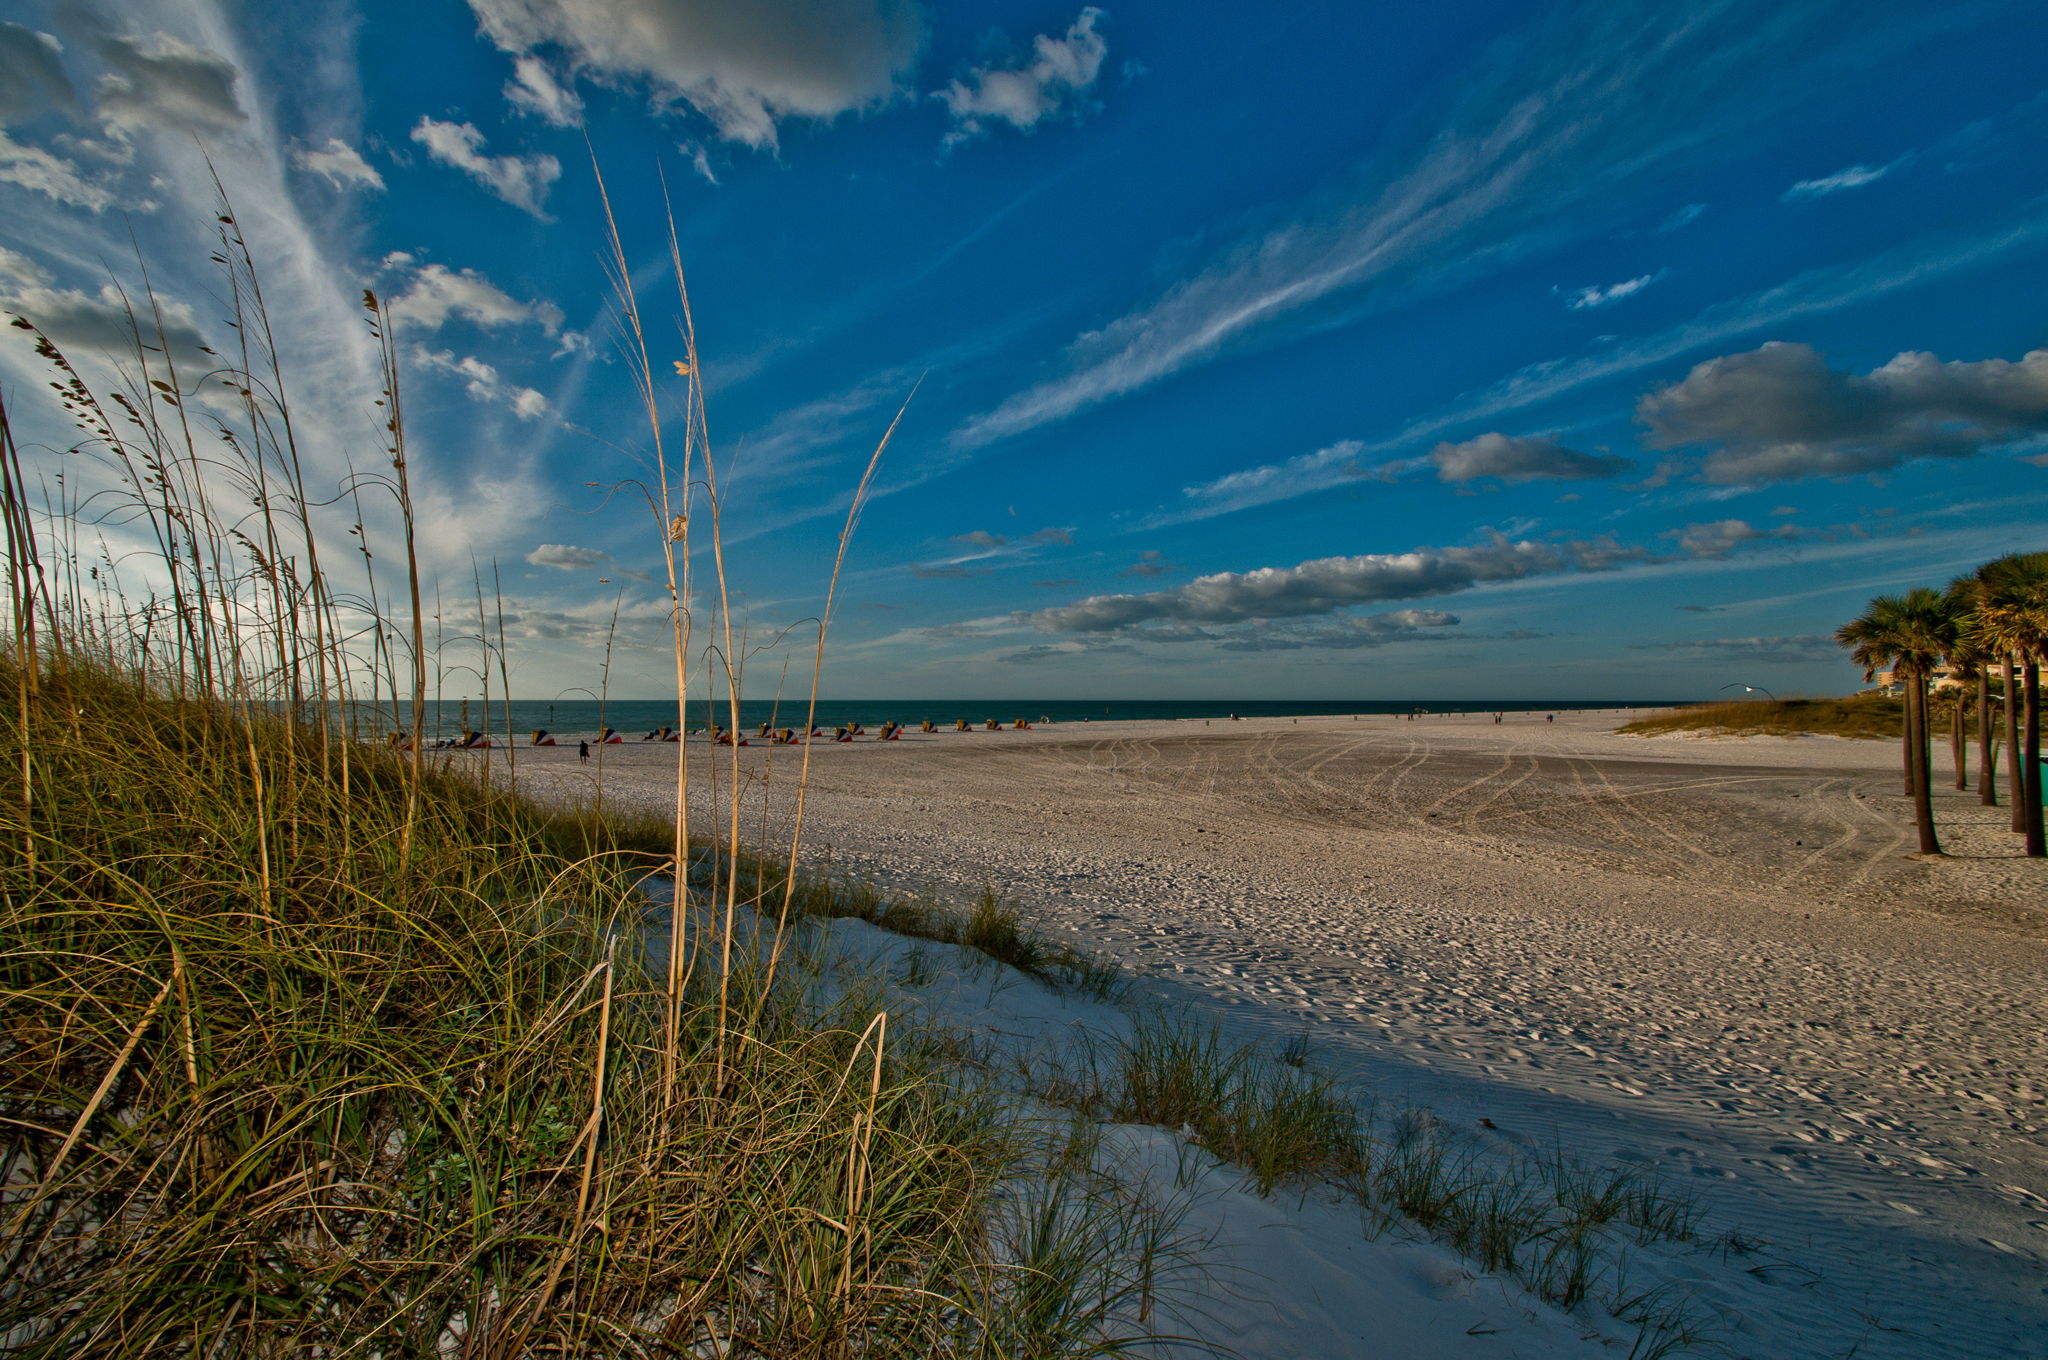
x,y
1968,661
1911,633
2012,613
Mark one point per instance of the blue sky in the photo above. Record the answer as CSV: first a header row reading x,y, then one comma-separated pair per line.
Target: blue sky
x,y
1327,350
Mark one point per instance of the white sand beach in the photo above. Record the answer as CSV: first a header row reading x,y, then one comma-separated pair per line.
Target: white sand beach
x,y
1710,955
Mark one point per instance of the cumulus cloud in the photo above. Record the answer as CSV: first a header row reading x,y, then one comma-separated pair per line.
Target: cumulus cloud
x,y
533,88
1595,296
1723,536
341,164
1779,412
81,323
1151,562
1052,83
164,84
1854,177
1793,647
32,79
521,181
745,67
1519,458
564,557
1371,630
19,271
483,384
1328,584
50,175
435,294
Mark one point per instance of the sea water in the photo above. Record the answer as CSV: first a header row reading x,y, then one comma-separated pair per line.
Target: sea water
x,y
636,717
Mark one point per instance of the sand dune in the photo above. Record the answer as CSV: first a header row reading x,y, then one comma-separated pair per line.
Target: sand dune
x,y
1708,954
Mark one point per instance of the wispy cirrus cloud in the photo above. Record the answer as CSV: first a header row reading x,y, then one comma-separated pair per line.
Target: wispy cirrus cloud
x,y
1798,647
1554,122
1849,177
1595,296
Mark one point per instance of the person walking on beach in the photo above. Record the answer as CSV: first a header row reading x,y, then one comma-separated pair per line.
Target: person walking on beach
x,y
583,752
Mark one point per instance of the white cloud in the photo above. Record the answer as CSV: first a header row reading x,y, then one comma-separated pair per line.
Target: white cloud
x,y
1681,218
1328,584
166,85
1053,83
341,164
436,294
563,557
1854,177
1779,412
1347,634
533,87
50,175
700,161
1797,647
81,323
32,79
19,271
745,67
1519,458
483,383
1593,296
1724,536
521,181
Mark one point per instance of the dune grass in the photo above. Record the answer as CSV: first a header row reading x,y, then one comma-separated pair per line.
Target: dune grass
x,y
1859,715
366,1105
311,1046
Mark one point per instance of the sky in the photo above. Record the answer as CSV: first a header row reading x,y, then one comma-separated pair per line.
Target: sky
x,y
1534,351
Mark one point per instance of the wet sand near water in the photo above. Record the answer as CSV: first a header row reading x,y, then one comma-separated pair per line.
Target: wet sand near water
x,y
1710,954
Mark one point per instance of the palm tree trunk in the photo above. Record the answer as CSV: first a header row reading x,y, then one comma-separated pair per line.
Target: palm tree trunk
x,y
1923,800
2037,842
2015,777
1906,730
1987,778
1959,741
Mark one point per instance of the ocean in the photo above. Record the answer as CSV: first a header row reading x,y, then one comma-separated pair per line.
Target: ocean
x,y
634,717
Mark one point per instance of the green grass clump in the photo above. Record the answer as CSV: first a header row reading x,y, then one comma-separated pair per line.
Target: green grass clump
x,y
1554,1223
294,1061
1860,715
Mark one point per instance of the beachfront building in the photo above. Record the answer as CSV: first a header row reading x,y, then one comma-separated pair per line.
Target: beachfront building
x,y
1945,677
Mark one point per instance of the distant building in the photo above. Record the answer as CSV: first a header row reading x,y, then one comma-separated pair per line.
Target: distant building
x,y
1945,677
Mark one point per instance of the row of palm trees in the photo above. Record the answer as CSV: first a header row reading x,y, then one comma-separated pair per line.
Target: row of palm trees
x,y
1994,618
